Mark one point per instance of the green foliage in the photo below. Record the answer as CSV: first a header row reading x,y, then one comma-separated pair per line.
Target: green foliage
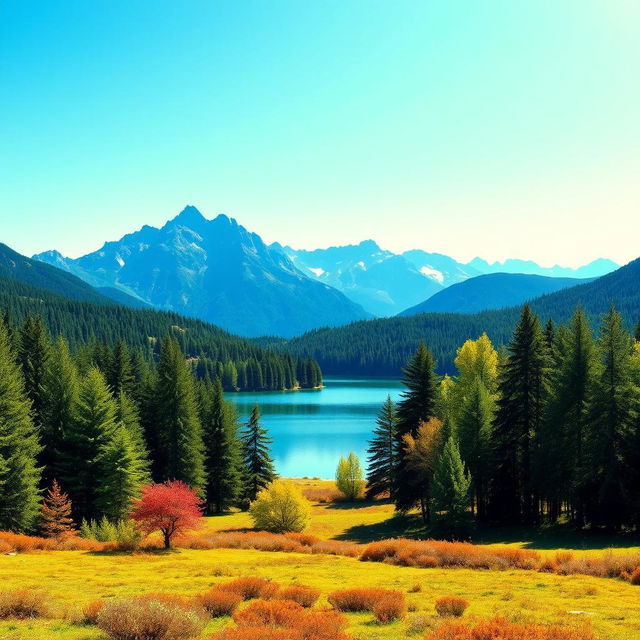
x,y
349,477
223,449
280,508
451,494
19,475
382,453
123,531
180,450
258,464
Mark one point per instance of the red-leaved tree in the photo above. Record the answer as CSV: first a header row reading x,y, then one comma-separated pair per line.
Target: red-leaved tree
x,y
171,508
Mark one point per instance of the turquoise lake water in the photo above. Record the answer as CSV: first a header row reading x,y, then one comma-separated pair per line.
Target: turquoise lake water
x,y
312,429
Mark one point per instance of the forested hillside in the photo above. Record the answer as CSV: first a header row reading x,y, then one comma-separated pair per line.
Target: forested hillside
x,y
381,347
213,351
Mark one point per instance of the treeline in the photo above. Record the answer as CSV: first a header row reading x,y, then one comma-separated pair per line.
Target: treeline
x,y
382,346
104,421
547,430
212,351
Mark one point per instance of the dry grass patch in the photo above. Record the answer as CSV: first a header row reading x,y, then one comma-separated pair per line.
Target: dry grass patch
x,y
21,604
451,606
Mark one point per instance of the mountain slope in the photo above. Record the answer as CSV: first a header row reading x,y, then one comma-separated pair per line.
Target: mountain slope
x,y
217,271
595,269
382,346
380,281
491,291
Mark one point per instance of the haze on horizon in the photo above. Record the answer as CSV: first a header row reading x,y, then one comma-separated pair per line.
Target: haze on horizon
x,y
483,128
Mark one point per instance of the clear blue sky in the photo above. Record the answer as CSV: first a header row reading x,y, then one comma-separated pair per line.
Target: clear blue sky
x,y
503,128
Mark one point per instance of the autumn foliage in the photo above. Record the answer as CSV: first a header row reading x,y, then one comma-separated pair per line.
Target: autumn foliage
x,y
171,508
501,629
451,606
249,587
355,600
55,513
218,603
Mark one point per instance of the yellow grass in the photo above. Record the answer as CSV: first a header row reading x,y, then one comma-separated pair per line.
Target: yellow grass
x,y
73,579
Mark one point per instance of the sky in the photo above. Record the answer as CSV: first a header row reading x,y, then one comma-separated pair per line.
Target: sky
x,y
467,127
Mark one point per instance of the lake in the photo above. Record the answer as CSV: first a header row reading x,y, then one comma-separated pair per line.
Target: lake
x,y
312,429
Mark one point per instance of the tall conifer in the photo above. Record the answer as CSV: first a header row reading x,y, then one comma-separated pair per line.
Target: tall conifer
x,y
258,464
382,453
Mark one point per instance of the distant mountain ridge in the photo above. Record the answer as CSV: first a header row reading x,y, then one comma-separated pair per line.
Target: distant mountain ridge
x,y
214,270
492,291
386,284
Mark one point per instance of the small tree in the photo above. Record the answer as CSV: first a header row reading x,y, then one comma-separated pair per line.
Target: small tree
x,y
55,512
280,507
171,508
258,464
349,477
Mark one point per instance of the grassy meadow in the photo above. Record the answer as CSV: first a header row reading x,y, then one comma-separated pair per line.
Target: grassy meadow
x,y
72,579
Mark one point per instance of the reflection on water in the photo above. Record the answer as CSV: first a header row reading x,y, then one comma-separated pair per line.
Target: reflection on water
x,y
312,429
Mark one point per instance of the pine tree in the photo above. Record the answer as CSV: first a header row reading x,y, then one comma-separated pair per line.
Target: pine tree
x,y
522,394
417,405
382,452
612,424
120,376
451,494
122,470
55,514
19,448
35,347
637,332
474,434
223,451
180,450
258,465
560,461
84,442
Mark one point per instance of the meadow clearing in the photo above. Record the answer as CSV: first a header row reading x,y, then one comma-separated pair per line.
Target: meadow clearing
x,y
72,579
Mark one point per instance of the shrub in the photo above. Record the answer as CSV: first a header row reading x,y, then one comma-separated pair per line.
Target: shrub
x,y
390,608
257,633
355,600
147,619
501,629
280,507
248,587
349,478
635,577
304,596
22,604
451,606
321,625
90,611
273,613
217,602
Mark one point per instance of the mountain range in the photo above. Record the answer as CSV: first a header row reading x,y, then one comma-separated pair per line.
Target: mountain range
x,y
218,271
492,291
214,270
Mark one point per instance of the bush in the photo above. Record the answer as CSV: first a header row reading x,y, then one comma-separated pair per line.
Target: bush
x,y
272,613
147,619
390,608
304,596
451,606
356,600
321,625
501,629
257,633
90,611
635,577
22,604
349,479
280,507
249,587
217,602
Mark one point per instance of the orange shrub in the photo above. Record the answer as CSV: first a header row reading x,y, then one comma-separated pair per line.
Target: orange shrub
x,y
337,548
90,612
304,596
635,577
501,629
22,604
257,633
248,587
217,602
321,625
354,600
451,606
25,544
273,613
391,607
